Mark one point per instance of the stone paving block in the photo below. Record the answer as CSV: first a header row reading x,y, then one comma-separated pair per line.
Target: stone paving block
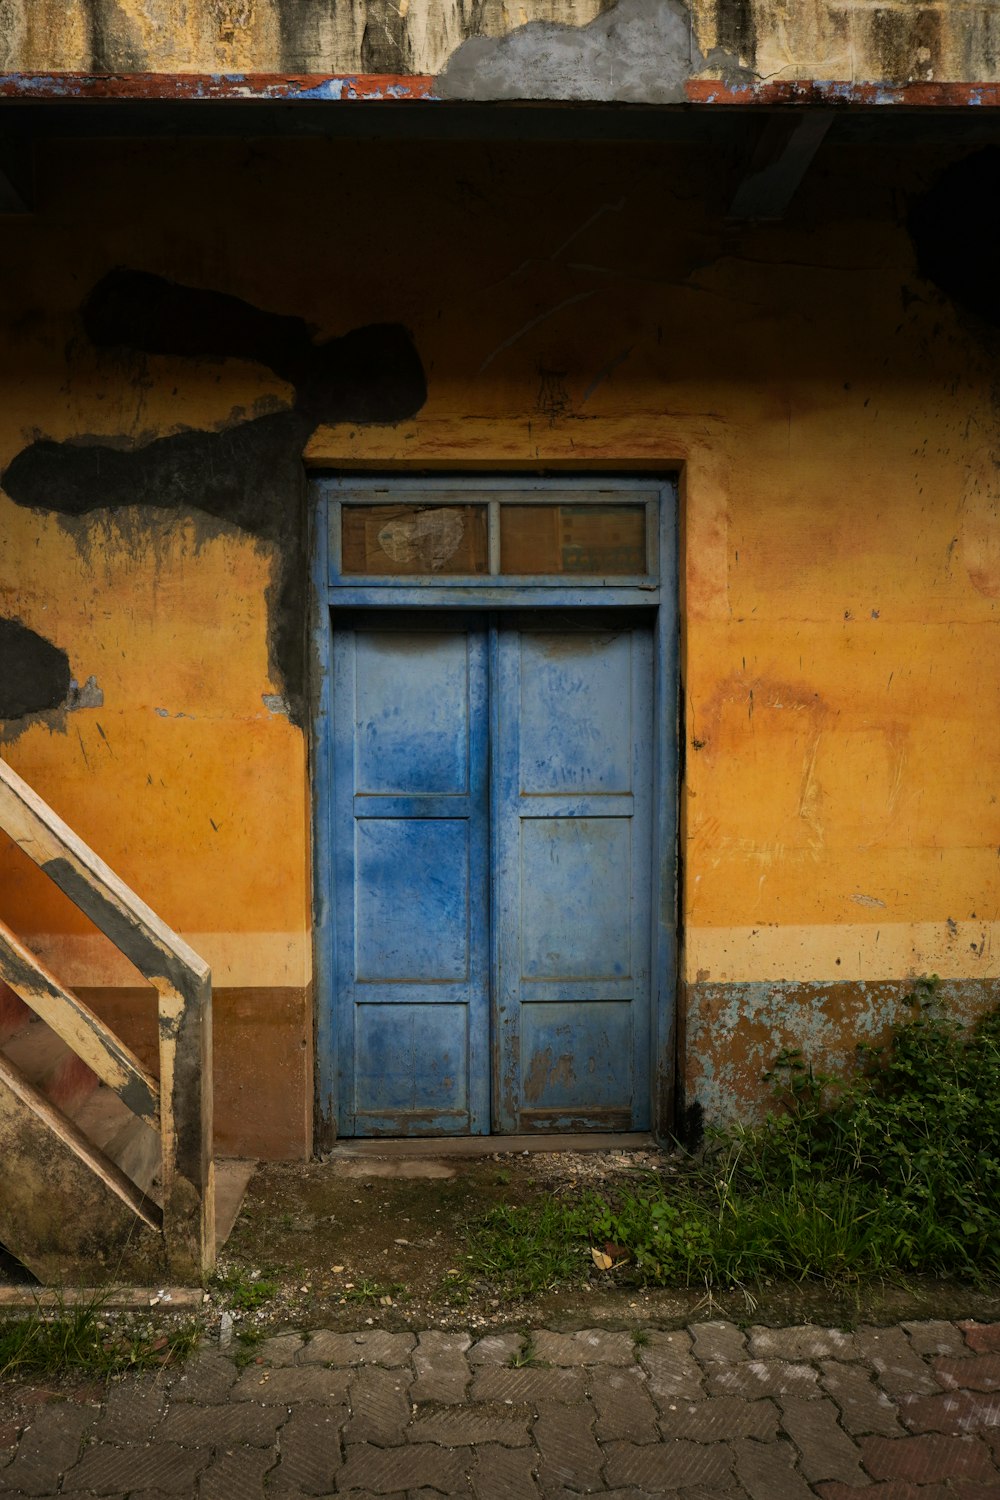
x,y
890,1490
976,1372
207,1376
569,1453
443,1371
377,1346
624,1407
238,1475
863,1407
899,1367
672,1370
592,1346
132,1409
768,1471
309,1445
109,1469
464,1426
527,1385
714,1342
412,1466
49,1446
496,1349
222,1426
825,1450
968,1489
927,1458
934,1336
981,1338
380,1406
807,1342
282,1349
953,1412
504,1473
665,1467
284,1386
761,1377
720,1418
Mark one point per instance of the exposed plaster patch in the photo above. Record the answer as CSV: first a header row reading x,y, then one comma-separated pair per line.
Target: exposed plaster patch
x,y
638,51
275,704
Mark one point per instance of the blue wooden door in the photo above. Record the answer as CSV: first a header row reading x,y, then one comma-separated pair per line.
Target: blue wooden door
x,y
492,800
573,864
411,877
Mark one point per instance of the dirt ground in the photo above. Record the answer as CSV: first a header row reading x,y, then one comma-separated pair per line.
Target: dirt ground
x,y
382,1242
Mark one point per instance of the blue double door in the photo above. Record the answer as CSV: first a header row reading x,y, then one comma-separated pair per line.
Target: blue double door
x,y
492,866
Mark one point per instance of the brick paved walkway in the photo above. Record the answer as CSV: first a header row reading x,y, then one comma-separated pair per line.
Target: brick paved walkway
x,y
707,1413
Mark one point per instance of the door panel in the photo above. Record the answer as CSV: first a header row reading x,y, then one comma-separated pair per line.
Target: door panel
x,y
411,820
572,831
492,780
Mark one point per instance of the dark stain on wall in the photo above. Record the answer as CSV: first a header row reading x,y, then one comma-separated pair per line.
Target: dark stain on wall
x,y
385,41
734,29
114,43
955,228
249,475
371,374
34,674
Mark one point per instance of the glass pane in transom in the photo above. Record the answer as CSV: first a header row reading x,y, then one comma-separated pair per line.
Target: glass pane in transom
x,y
397,540
602,540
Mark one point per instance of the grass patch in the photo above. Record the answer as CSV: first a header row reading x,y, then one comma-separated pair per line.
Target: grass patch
x,y
86,1340
244,1292
895,1171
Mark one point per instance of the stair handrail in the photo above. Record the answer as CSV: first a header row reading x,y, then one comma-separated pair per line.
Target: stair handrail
x,y
183,982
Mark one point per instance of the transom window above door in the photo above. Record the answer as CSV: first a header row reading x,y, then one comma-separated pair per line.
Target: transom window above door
x,y
454,534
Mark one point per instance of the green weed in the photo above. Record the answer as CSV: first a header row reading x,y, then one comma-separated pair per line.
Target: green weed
x,y
86,1339
244,1291
367,1290
894,1171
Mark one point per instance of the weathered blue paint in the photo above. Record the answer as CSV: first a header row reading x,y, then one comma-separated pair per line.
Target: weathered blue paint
x,y
410,873
572,830
562,1013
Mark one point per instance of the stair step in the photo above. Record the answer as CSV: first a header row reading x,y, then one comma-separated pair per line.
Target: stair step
x,y
54,1069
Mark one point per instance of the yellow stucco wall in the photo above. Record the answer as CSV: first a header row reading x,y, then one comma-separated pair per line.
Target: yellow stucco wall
x,y
855,40
575,308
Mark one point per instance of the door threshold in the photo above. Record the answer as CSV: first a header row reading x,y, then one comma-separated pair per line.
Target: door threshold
x,y
488,1145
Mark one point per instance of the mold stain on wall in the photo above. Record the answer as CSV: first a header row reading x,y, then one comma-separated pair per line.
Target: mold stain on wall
x,y
250,474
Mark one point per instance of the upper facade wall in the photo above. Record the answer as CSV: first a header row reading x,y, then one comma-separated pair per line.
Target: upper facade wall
x,y
637,50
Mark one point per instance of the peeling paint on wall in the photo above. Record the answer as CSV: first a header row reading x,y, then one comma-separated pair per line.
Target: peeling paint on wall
x,y
732,1033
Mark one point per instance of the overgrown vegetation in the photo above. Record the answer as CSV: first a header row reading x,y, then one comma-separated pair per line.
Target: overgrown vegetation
x,y
86,1339
894,1171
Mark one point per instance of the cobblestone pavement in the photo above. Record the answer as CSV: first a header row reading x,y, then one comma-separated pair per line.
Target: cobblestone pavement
x,y
705,1413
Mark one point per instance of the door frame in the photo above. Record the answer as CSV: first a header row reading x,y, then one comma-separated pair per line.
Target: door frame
x,y
658,594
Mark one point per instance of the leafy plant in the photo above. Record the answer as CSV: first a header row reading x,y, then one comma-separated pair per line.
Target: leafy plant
x,y
894,1170
245,1291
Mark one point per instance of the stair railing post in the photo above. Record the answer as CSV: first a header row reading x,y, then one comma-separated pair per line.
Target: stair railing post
x,y
188,1171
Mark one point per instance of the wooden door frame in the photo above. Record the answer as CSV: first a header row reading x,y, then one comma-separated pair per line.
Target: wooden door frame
x,y
663,599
